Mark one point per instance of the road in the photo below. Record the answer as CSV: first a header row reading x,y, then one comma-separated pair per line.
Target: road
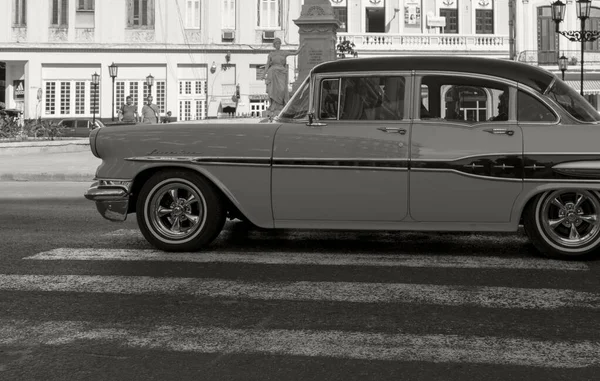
x,y
82,298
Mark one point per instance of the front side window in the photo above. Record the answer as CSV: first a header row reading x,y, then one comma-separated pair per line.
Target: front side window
x,y
268,13
59,15
531,109
573,102
20,13
463,99
192,14
362,98
228,14
297,107
140,14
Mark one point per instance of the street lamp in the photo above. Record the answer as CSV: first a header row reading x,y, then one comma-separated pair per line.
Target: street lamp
x,y
113,70
582,35
149,82
95,82
563,63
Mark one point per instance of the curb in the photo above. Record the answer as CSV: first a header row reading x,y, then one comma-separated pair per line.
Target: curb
x,y
26,147
24,177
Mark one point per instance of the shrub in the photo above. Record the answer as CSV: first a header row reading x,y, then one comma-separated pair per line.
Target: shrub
x,y
11,128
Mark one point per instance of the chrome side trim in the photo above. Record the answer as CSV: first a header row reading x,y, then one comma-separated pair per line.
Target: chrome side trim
x,y
373,168
209,160
588,169
480,177
578,181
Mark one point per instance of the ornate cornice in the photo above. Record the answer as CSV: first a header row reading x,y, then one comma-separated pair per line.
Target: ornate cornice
x,y
130,48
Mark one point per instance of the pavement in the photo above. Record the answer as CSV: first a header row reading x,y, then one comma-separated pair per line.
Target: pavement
x,y
66,159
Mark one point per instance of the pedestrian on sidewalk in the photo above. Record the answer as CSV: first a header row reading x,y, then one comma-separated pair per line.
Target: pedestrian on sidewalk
x,y
150,112
128,111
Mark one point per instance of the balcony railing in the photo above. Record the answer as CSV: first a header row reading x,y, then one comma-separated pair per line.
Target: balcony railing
x,y
428,42
550,57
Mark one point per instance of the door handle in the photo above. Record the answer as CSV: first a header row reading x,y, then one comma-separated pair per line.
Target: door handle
x,y
500,131
396,130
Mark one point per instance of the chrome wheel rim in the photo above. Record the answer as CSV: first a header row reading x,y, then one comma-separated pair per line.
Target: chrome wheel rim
x,y
177,210
570,218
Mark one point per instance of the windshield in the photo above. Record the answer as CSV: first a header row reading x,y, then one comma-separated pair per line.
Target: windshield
x,y
573,102
297,107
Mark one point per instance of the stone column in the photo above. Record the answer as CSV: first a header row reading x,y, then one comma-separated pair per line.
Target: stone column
x,y
318,33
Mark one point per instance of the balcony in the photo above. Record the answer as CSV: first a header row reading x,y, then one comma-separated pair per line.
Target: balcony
x,y
484,43
550,57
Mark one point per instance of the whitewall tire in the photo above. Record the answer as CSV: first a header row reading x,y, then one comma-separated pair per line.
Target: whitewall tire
x,y
179,210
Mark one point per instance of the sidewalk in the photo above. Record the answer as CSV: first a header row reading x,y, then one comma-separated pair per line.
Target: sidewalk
x,y
59,160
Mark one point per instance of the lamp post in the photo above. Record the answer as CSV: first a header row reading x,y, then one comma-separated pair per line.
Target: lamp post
x,y
563,63
95,82
113,70
582,35
149,83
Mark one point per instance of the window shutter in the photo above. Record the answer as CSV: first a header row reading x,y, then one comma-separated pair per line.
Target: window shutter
x,y
130,12
65,13
54,14
279,12
150,13
258,13
24,12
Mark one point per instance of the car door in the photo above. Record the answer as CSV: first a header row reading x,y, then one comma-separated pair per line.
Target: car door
x,y
82,129
351,165
466,150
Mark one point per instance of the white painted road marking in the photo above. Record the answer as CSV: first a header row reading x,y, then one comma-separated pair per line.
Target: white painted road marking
x,y
336,344
491,297
283,258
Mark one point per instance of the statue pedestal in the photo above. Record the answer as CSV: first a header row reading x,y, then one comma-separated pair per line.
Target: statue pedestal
x,y
318,33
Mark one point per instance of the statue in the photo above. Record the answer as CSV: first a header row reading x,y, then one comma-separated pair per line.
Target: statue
x,y
276,78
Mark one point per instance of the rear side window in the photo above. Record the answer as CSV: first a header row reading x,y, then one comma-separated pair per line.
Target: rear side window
x,y
531,109
68,123
573,102
362,98
82,123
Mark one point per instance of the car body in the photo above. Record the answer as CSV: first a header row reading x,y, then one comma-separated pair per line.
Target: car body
x,y
387,143
79,127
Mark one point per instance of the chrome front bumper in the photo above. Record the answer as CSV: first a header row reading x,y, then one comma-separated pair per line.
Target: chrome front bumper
x,y
111,197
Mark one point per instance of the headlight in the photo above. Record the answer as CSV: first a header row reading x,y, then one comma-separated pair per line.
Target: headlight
x,y
93,135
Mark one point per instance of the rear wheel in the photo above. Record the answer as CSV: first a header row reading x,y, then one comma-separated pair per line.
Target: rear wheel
x,y
564,223
179,211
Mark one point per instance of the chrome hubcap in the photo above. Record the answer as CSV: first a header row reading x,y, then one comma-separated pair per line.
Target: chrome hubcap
x,y
176,210
570,218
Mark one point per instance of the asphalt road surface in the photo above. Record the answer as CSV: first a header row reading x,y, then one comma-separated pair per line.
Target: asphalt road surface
x,y
82,298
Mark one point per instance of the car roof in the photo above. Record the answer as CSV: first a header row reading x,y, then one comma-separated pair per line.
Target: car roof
x,y
532,76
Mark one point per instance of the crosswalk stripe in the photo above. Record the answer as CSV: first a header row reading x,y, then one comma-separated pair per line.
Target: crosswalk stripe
x,y
491,297
311,343
285,258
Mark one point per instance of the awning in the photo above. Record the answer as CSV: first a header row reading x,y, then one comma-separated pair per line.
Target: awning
x,y
258,97
589,86
228,103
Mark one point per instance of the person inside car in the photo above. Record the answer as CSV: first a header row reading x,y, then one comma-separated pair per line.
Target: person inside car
x,y
502,108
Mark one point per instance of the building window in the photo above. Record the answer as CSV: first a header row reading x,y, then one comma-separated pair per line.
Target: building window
x,y
484,21
85,5
79,97
258,107
20,13
269,13
451,16
161,95
133,91
192,14
228,14
94,98
259,71
60,13
50,106
192,99
140,13
341,14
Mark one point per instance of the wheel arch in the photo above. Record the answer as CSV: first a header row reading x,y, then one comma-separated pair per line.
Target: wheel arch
x,y
531,195
230,203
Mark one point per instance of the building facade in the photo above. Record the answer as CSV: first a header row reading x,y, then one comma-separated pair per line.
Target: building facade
x,y
202,53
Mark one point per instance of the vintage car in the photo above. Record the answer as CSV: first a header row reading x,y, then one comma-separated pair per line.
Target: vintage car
x,y
387,143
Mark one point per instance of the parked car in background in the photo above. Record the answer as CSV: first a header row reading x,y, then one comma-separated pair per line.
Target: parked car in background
x,y
385,143
79,127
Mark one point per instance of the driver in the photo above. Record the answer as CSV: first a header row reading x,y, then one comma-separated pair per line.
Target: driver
x,y
502,107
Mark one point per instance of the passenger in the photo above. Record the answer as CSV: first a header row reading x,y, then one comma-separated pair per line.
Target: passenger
x,y
502,108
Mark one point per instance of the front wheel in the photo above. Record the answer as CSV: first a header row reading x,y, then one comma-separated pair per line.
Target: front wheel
x,y
564,223
179,211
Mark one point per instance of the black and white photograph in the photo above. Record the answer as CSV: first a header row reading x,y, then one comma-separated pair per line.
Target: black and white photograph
x,y
314,190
